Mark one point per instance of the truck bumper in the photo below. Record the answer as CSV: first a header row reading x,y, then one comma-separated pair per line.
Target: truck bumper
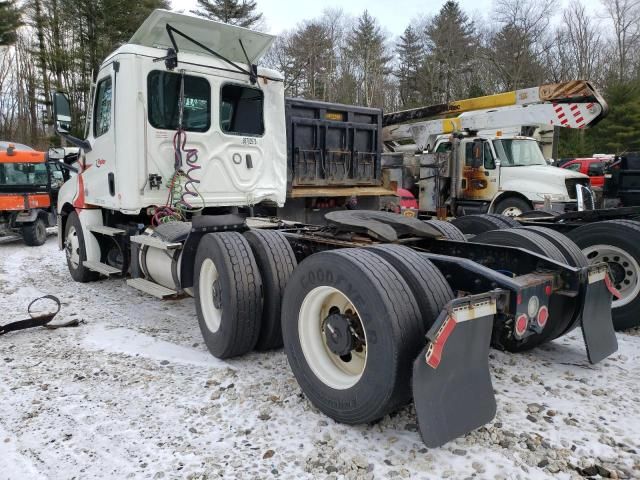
x,y
560,207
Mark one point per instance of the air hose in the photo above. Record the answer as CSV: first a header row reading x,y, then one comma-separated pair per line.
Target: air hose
x,y
182,185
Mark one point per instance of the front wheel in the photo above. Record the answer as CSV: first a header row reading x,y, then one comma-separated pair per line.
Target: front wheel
x,y
75,250
512,207
351,329
35,234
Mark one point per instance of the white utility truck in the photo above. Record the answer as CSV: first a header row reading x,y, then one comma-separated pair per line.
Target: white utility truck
x,y
186,137
509,173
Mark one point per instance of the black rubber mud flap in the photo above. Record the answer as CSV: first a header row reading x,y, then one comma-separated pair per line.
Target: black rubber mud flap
x,y
597,325
452,388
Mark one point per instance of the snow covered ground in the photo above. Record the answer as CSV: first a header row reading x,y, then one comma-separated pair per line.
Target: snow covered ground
x,y
133,393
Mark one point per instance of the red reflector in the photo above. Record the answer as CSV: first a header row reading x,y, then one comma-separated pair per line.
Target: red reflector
x,y
521,324
543,316
519,298
613,290
547,290
434,352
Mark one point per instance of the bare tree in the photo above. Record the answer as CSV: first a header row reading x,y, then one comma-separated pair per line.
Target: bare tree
x,y
625,17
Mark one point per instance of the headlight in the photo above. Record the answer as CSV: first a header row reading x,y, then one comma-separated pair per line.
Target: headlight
x,y
554,197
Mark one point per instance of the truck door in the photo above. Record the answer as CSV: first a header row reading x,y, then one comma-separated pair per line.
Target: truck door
x,y
98,172
479,180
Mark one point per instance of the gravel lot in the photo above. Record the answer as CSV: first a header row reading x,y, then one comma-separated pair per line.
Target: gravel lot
x,y
133,393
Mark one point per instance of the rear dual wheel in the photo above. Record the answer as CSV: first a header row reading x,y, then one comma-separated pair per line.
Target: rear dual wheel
x,y
228,294
616,243
352,328
485,222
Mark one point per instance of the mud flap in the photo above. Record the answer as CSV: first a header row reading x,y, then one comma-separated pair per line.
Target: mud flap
x,y
452,388
597,325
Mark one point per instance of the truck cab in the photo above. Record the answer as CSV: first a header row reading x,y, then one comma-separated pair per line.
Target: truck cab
x,y
29,184
508,175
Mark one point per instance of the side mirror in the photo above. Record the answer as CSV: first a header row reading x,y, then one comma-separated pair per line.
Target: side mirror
x,y
477,153
55,153
62,119
61,112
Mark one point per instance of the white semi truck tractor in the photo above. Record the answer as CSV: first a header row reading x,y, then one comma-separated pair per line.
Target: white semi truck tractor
x,y
187,137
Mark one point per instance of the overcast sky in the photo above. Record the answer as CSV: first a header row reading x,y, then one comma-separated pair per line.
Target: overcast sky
x,y
393,15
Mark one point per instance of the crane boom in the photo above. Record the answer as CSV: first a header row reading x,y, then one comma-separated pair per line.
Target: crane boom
x,y
564,92
574,104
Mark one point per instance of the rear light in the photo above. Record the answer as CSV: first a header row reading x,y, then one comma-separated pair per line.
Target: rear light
x,y
522,322
533,306
519,299
547,290
543,316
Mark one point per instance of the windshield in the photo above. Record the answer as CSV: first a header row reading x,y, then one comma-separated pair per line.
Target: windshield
x,y
519,153
23,174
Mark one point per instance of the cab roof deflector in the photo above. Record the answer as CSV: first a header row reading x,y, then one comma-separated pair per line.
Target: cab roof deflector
x,y
229,43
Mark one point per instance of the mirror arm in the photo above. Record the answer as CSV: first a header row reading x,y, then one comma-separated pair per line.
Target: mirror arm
x,y
83,144
69,167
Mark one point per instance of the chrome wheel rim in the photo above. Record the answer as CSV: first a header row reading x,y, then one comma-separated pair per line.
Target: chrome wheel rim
x,y
624,270
512,212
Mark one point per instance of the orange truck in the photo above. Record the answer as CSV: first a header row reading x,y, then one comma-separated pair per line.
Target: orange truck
x,y
29,184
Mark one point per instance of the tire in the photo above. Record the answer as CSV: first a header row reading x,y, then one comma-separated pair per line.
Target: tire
x,y
476,224
227,288
542,213
616,242
276,262
571,252
75,250
508,222
428,285
387,314
448,230
562,309
35,234
512,206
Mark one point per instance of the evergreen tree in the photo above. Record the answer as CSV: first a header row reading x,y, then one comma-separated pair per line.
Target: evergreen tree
x,y
452,46
619,131
410,51
234,12
9,22
366,48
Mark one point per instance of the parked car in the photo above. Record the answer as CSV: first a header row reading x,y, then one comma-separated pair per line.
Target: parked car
x,y
593,167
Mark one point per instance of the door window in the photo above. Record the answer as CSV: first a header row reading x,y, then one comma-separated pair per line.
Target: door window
x,y
596,169
489,161
241,110
164,101
574,166
102,113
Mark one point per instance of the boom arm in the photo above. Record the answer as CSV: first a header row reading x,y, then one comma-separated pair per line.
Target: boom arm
x,y
574,104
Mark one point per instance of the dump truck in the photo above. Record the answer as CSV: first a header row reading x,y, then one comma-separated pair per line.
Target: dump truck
x,y
29,184
510,174
187,138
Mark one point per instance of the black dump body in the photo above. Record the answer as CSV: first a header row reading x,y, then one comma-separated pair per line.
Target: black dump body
x,y
624,182
330,144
